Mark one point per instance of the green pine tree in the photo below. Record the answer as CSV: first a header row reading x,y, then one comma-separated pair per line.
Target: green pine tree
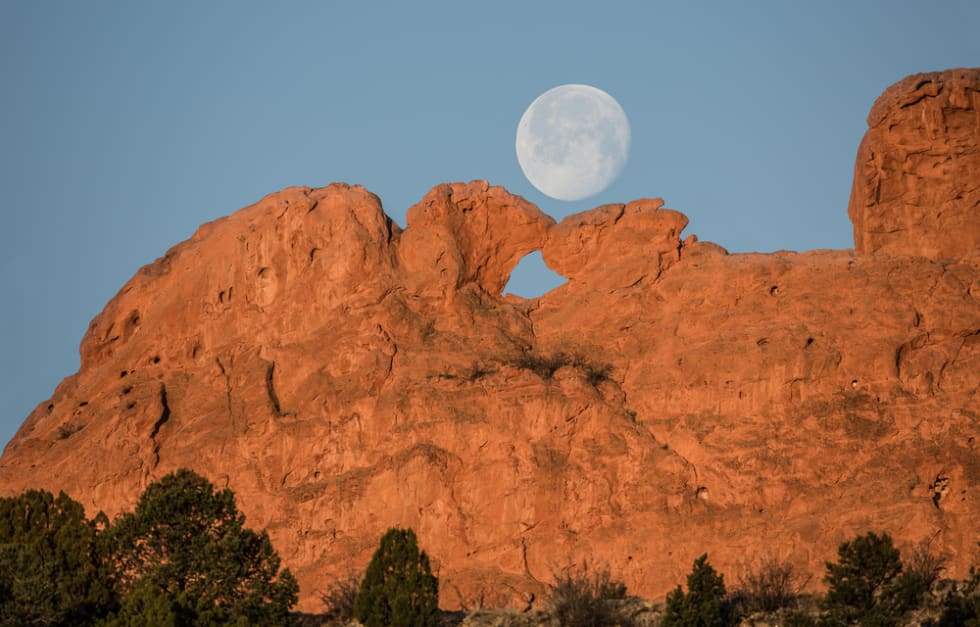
x,y
185,557
863,583
399,589
52,570
705,604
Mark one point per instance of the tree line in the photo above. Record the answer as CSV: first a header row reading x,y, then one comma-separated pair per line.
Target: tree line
x,y
183,556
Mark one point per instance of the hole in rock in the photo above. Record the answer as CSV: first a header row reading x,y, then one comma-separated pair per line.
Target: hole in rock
x,y
532,278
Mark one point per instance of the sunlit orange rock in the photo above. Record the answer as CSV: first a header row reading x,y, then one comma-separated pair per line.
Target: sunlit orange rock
x,y
343,376
917,176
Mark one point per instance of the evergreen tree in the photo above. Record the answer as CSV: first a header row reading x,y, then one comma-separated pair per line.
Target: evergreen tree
x,y
184,557
398,589
51,566
705,604
865,584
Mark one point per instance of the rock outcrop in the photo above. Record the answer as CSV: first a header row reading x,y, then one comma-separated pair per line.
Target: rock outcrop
x,y
343,375
917,176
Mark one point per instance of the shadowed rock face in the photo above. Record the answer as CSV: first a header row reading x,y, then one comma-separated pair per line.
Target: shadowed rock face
x,y
344,376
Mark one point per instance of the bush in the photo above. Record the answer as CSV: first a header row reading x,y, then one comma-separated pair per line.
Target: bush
x,y
399,589
705,604
581,599
185,557
962,607
51,565
773,586
339,597
866,586
545,366
913,586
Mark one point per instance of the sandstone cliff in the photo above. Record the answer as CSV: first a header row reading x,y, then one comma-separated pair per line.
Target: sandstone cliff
x,y
343,375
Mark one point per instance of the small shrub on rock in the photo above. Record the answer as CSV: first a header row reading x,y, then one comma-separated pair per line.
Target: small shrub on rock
x,y
545,366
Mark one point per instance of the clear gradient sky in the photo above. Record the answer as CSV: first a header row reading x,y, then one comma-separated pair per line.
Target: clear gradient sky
x,y
125,124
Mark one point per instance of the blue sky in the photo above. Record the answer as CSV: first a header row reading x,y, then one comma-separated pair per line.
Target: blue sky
x,y
125,125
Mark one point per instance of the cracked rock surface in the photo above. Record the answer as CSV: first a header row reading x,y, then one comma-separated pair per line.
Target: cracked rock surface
x,y
344,375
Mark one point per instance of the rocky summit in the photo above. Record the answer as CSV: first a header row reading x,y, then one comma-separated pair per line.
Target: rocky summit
x,y
344,375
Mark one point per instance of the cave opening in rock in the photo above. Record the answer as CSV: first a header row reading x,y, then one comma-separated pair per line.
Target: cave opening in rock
x,y
532,278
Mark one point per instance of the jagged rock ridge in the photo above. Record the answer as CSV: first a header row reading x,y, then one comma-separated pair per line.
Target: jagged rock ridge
x,y
343,375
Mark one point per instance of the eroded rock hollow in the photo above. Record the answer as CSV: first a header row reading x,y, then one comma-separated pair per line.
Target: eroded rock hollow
x,y
343,375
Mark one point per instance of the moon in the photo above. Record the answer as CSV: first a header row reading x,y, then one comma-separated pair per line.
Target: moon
x,y
573,141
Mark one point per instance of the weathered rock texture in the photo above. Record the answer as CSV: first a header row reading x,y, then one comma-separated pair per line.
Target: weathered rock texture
x,y
917,176
344,376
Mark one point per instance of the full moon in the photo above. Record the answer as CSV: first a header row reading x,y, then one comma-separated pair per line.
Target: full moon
x,y
573,141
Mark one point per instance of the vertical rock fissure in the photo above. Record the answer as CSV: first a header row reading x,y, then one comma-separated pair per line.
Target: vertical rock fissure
x,y
164,416
224,373
270,388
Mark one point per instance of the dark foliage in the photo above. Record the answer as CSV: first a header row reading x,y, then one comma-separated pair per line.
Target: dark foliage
x,y
478,371
338,599
51,566
798,618
184,557
545,366
594,373
867,586
398,589
919,573
705,603
584,597
962,607
773,586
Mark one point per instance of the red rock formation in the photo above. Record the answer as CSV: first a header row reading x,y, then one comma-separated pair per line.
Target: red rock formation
x,y
917,176
344,376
